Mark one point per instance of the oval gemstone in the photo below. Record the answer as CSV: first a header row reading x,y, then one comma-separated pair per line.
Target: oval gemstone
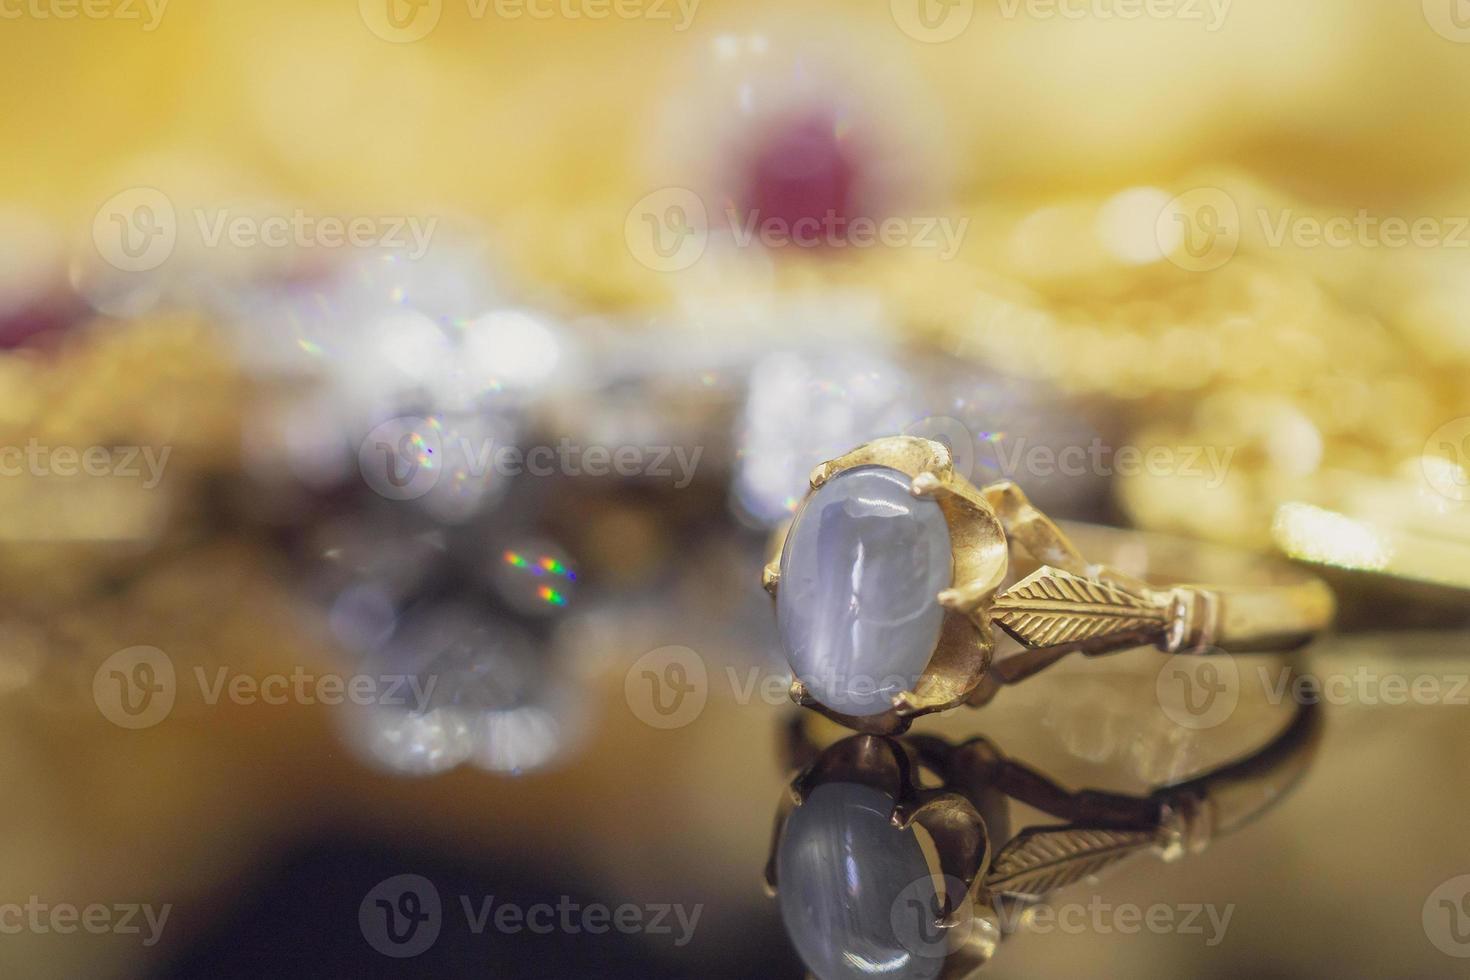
x,y
841,870
858,606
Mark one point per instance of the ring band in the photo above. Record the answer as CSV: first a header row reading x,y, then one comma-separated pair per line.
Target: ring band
x,y
895,571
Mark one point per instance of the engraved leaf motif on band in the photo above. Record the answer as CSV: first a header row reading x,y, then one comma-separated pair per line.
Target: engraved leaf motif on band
x,y
1051,607
1041,860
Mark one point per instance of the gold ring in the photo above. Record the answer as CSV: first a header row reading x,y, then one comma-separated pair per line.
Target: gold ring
x,y
895,570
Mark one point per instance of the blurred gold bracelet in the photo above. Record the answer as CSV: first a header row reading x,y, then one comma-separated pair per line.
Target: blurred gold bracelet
x,y
1400,544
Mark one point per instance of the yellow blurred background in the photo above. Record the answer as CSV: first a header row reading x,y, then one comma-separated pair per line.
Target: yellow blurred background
x,y
1084,149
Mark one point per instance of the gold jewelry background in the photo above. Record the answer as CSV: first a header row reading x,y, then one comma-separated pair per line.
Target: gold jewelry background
x,y
1328,369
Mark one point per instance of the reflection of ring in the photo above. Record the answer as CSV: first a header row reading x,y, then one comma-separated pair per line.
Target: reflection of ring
x,y
845,848
895,570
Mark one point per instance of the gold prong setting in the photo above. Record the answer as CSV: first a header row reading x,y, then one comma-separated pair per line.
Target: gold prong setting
x,y
928,486
771,578
979,561
821,473
967,599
